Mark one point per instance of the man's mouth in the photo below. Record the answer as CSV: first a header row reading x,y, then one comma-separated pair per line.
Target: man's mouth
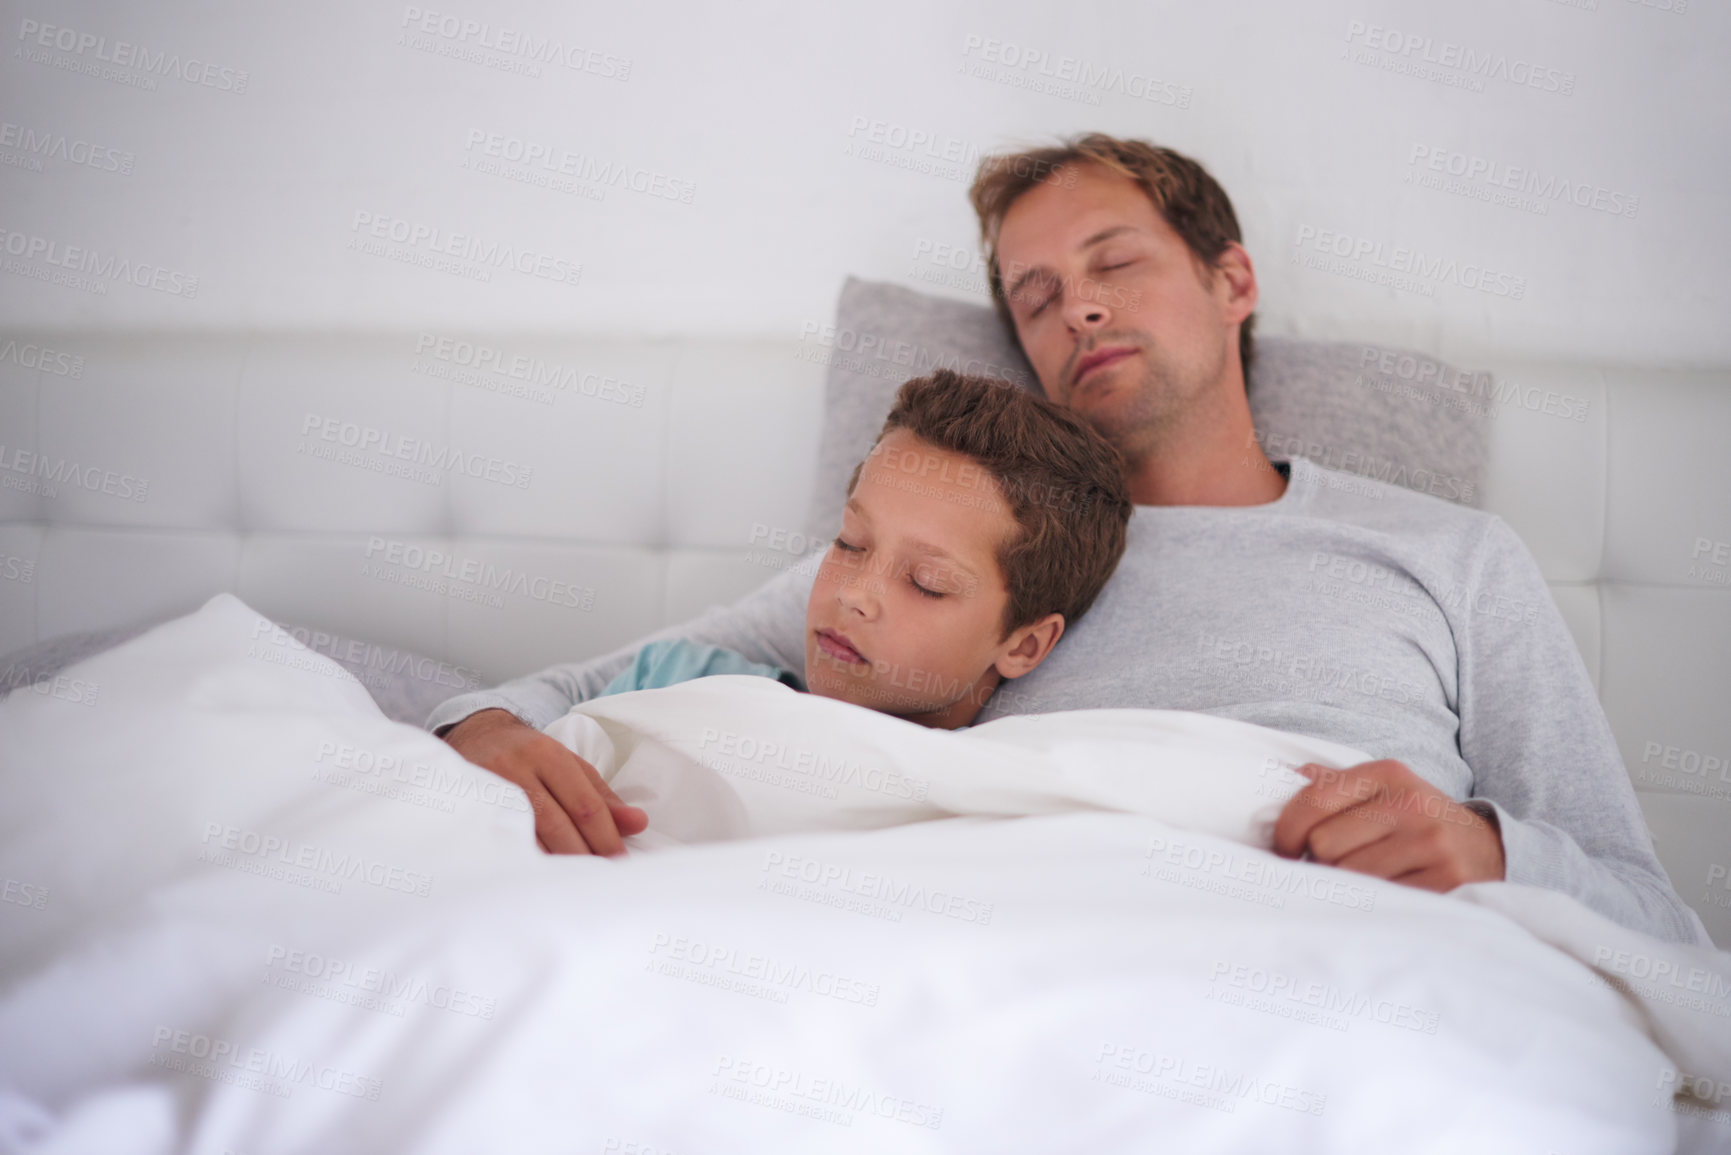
x,y
1110,355
835,646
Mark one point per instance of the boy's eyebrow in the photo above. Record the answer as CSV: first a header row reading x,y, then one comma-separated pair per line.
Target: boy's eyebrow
x,y
920,547
1103,235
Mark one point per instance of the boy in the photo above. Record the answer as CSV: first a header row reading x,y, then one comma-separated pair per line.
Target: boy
x,y
983,520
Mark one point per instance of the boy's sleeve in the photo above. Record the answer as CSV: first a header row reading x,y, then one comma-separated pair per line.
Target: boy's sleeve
x,y
674,660
767,626
1543,756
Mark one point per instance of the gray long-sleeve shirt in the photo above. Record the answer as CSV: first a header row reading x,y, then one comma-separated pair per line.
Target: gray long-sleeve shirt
x,y
1351,610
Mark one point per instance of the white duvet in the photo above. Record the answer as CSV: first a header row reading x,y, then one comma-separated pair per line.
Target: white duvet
x,y
245,912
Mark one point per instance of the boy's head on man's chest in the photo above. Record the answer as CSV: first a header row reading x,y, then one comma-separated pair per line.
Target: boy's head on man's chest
x,y
982,521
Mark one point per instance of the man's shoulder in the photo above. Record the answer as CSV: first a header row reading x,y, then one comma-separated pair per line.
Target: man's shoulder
x,y
1381,505
1456,542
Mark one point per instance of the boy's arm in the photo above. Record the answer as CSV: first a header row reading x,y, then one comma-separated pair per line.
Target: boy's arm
x,y
575,811
1543,757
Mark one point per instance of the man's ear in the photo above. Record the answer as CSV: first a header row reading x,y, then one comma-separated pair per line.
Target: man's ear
x,y
1233,269
1028,646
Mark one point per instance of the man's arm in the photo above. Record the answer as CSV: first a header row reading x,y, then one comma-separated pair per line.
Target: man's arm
x,y
575,811
767,626
1545,763
1552,805
1381,819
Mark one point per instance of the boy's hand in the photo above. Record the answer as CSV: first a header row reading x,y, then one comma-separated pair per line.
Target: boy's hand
x,y
575,811
1380,818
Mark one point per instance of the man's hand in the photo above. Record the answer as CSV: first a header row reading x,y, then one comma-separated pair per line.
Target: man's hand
x,y
575,811
1380,818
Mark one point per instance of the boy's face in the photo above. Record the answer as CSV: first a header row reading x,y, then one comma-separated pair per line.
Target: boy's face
x,y
907,610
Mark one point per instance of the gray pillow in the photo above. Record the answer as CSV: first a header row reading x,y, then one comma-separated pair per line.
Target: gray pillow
x,y
405,685
1395,416
885,334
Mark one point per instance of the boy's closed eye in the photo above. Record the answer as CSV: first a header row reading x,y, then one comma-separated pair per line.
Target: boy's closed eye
x,y
913,579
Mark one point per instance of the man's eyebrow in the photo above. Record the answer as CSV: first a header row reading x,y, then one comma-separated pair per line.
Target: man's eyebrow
x,y
1107,234
1015,290
1104,234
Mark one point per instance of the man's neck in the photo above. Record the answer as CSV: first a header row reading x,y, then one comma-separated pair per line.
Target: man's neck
x,y
1214,460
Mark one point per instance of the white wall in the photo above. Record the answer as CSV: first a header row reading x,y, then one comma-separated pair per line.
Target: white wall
x,y
754,108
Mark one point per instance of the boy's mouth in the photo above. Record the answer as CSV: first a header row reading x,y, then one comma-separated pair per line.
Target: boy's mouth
x,y
835,646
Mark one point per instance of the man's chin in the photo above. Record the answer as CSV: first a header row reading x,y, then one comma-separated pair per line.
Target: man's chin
x,y
1101,396
1082,390
1098,397
1105,385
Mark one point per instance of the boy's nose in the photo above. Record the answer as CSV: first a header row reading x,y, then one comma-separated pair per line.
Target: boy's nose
x,y
855,593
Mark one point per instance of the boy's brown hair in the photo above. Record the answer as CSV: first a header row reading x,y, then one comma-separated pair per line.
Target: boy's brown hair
x,y
1063,482
1188,199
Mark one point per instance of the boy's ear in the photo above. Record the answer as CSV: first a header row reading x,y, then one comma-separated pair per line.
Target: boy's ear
x,y
1029,645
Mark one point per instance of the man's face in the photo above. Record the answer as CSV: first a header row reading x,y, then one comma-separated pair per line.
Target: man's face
x,y
907,610
1119,320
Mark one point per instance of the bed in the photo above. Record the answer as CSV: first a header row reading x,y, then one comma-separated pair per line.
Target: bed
x,y
605,488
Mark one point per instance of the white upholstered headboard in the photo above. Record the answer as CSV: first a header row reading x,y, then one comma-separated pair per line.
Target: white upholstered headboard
x,y
501,502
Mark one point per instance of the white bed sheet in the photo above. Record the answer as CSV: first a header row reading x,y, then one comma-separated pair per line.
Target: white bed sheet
x,y
238,855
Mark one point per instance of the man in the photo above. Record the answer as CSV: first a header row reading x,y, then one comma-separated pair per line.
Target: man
x,y
1121,270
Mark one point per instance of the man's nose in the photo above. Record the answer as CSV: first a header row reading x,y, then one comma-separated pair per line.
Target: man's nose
x,y
1085,311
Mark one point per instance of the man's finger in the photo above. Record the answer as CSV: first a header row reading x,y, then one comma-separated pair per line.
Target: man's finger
x,y
1393,858
1349,832
1436,878
627,819
554,829
585,807
1330,793
499,742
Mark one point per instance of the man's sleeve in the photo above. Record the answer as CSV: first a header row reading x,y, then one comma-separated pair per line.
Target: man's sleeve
x,y
767,626
1543,757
